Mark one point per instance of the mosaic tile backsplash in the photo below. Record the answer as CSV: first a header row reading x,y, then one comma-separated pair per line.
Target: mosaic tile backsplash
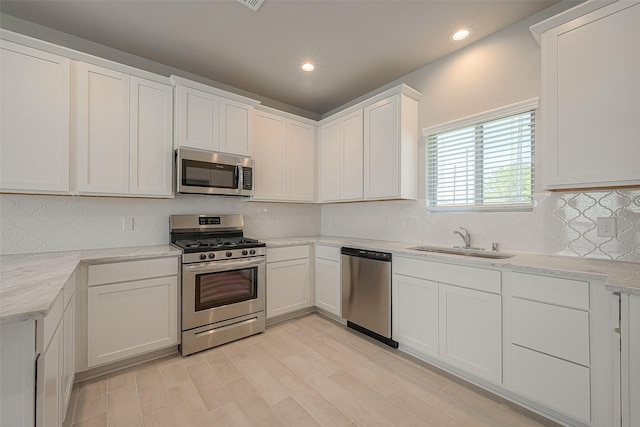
x,y
560,224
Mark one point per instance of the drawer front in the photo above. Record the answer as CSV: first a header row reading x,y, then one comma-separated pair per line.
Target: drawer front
x,y
287,253
554,290
557,331
100,274
555,383
328,252
469,277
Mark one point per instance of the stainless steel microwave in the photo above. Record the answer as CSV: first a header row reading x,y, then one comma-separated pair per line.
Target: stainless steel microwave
x,y
207,172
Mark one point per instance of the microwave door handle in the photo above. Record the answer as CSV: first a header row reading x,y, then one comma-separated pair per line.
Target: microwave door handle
x,y
240,177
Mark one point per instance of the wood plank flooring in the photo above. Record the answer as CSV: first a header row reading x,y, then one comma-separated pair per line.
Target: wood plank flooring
x,y
309,371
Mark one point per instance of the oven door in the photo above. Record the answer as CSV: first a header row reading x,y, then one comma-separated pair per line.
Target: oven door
x,y
222,290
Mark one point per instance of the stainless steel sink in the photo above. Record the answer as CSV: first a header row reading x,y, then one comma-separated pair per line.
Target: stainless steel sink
x,y
479,253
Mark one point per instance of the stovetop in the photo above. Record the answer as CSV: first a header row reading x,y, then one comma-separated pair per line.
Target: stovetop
x,y
208,243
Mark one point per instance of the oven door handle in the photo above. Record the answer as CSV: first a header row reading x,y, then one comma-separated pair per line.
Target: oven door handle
x,y
217,266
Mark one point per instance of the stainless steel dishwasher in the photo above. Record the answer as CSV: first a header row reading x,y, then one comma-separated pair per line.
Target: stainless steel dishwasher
x,y
366,292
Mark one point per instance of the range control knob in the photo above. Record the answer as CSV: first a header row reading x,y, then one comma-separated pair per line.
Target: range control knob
x,y
212,255
229,254
244,252
203,256
252,251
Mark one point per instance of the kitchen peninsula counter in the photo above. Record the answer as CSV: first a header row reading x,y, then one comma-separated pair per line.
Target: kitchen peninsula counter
x,y
618,276
30,283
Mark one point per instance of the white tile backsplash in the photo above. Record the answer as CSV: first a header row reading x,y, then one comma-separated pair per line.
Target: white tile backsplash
x,y
31,224
561,223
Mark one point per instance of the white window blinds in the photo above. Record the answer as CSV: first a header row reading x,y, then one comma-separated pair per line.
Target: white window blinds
x,y
483,165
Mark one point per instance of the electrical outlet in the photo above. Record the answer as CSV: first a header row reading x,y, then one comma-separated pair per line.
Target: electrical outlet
x,y
127,224
606,227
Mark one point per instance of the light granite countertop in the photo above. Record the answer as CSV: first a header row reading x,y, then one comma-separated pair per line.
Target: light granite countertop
x,y
30,283
618,276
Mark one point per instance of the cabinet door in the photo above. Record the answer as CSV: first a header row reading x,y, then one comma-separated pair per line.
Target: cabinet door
x,y
151,138
352,157
471,331
236,127
300,161
131,318
381,149
68,362
34,136
49,382
287,286
328,288
197,119
415,314
270,153
591,99
102,130
331,161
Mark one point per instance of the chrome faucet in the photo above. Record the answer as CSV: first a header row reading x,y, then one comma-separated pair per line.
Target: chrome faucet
x,y
466,237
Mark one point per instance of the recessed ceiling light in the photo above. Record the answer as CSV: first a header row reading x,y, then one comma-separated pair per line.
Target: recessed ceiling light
x,y
308,66
461,34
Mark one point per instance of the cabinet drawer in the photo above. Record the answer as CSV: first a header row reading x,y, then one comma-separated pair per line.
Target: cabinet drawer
x,y
100,274
288,252
554,290
553,382
557,331
469,277
328,252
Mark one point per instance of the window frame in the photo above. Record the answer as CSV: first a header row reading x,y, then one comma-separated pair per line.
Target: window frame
x,y
474,121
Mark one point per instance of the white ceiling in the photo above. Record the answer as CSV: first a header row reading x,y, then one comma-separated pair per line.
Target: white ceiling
x,y
357,46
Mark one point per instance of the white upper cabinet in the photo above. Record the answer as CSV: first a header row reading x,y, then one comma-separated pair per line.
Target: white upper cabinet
x,y
102,129
341,151
369,152
391,147
123,133
591,96
284,152
34,135
211,119
197,119
151,138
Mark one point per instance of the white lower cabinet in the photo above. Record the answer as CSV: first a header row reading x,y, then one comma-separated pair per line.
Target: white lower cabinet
x,y
415,314
130,312
559,347
471,331
451,313
630,329
328,288
55,364
288,280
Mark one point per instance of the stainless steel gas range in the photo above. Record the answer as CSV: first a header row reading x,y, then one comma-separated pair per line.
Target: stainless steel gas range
x,y
223,280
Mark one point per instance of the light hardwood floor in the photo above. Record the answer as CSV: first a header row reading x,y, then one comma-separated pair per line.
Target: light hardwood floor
x,y
309,371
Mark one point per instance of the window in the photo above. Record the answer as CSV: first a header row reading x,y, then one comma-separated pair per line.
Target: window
x,y
484,162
